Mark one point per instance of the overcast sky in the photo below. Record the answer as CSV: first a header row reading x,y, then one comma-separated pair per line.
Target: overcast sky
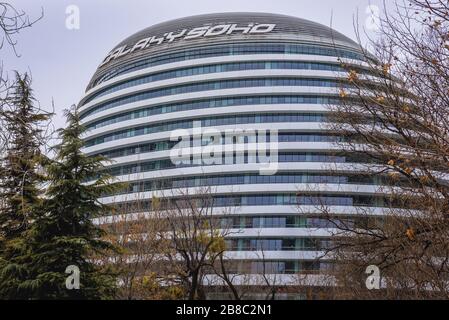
x,y
62,60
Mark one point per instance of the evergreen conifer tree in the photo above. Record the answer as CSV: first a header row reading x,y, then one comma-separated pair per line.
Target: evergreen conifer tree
x,y
63,234
21,181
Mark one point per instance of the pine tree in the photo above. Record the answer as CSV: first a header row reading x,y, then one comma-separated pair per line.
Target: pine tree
x,y
64,234
21,182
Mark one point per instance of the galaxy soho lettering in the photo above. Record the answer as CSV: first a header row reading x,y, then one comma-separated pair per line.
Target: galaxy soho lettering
x,y
185,34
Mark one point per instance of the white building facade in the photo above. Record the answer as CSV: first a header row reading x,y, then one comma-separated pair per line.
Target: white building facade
x,y
235,71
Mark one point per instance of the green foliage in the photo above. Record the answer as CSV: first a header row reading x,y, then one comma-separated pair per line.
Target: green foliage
x,y
21,181
63,233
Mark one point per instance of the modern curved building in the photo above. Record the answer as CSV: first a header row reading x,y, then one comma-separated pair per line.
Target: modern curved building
x,y
235,71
